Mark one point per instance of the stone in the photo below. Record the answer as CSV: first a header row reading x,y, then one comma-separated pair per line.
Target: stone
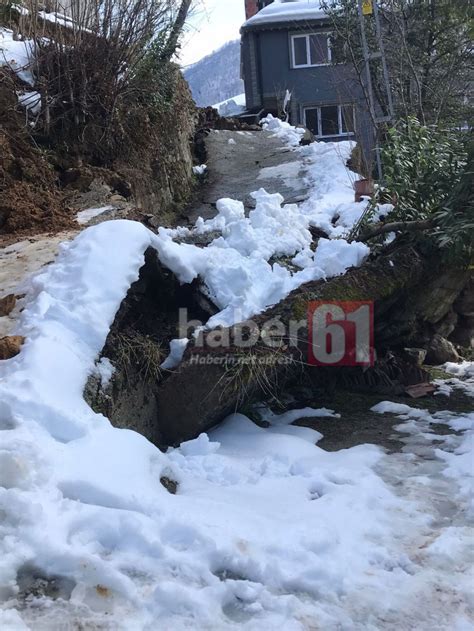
x,y
441,351
7,304
463,334
447,325
117,198
307,138
415,356
464,305
10,346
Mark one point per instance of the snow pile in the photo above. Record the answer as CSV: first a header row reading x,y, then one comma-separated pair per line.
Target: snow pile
x,y
289,134
330,205
231,107
238,275
287,11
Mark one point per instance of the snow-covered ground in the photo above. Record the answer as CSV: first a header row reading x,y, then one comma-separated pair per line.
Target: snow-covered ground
x,y
266,529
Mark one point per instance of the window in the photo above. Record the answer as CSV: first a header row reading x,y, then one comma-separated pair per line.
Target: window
x,y
327,121
310,50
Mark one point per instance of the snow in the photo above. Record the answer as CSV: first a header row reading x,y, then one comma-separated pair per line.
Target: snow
x,y
17,55
231,107
30,101
459,454
463,379
177,349
280,129
266,530
104,370
287,11
84,216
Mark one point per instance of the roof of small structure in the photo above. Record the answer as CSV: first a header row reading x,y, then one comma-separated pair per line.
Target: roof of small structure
x,y
286,11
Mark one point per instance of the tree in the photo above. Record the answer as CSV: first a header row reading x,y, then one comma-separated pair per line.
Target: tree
x,y
428,45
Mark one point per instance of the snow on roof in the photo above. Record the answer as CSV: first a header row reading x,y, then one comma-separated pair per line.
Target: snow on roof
x,y
287,11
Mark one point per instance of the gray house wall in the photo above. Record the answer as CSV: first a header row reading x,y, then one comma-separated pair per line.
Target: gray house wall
x,y
267,73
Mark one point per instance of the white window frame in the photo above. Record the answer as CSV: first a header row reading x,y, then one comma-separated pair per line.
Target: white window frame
x,y
308,50
339,106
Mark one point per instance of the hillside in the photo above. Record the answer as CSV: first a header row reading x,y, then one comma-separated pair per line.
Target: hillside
x,y
216,77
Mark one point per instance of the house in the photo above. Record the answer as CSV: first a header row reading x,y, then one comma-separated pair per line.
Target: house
x,y
286,46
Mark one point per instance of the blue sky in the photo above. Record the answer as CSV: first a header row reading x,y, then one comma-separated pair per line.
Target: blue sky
x,y
213,23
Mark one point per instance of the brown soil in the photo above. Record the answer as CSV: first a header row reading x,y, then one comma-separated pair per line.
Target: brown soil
x,y
30,197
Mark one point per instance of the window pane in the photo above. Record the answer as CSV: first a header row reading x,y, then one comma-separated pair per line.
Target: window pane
x,y
299,47
347,116
318,46
311,119
329,120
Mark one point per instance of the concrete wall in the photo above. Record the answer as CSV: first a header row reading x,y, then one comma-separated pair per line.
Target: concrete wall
x,y
268,74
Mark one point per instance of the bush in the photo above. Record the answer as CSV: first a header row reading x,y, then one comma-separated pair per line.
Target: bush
x,y
422,166
102,77
429,177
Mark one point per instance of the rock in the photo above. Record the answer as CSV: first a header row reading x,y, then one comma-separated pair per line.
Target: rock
x,y
441,351
435,300
307,138
447,324
117,198
10,346
415,356
464,305
463,334
7,304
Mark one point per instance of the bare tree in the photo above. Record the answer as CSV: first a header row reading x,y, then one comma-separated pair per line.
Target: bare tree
x,y
100,61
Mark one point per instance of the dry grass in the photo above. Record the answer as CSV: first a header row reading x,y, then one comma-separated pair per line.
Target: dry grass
x,y
137,353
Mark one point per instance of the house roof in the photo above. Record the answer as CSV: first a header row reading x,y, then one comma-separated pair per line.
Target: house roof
x,y
286,11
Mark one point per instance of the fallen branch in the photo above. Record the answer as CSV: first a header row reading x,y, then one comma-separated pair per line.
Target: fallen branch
x,y
395,226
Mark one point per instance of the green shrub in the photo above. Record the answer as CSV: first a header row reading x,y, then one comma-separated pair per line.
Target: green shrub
x,y
422,167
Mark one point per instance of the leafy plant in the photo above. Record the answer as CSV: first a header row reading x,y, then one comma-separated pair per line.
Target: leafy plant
x,y
422,167
454,222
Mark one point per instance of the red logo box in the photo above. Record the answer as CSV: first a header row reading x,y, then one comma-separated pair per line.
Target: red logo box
x,y
341,333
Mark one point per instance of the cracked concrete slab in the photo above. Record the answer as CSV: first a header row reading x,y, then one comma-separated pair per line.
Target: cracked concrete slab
x,y
240,162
